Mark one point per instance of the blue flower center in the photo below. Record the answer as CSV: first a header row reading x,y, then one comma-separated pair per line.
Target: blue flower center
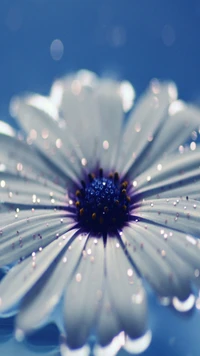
x,y
102,203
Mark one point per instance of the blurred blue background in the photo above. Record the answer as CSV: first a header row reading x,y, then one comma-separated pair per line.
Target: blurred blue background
x,y
136,40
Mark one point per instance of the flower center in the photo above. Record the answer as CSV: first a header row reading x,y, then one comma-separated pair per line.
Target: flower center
x,y
102,203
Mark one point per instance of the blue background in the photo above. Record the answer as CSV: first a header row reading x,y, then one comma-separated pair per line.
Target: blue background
x,y
128,39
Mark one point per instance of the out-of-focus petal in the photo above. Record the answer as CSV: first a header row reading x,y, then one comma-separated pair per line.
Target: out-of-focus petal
x,y
51,136
144,122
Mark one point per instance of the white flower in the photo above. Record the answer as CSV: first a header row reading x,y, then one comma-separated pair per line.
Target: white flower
x,y
76,236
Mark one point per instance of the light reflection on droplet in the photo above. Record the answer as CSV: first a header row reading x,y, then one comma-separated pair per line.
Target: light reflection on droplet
x,y
129,272
135,183
105,145
78,277
175,107
2,183
138,127
111,349
6,129
19,335
56,93
165,301
198,303
45,134
19,167
159,167
58,143
184,306
83,161
2,167
193,146
138,345
56,49
181,149
127,94
87,78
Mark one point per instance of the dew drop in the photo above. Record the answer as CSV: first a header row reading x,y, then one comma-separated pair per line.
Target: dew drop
x,y
138,345
184,306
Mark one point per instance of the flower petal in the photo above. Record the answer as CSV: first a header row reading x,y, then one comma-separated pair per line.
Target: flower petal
x,y
27,231
111,349
174,176
186,247
23,276
144,122
93,110
108,323
177,214
112,119
21,191
21,158
47,293
125,289
157,262
83,294
50,135
160,135
174,132
79,108
66,351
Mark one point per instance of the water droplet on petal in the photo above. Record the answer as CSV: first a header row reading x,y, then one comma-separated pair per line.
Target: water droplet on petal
x,y
138,345
184,306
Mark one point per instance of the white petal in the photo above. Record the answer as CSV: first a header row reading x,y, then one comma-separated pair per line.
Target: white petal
x,y
20,190
83,294
42,299
185,246
27,231
65,351
6,129
174,132
156,261
108,323
52,136
178,214
111,116
21,158
184,306
111,349
176,175
80,111
93,110
139,345
144,123
126,292
23,276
